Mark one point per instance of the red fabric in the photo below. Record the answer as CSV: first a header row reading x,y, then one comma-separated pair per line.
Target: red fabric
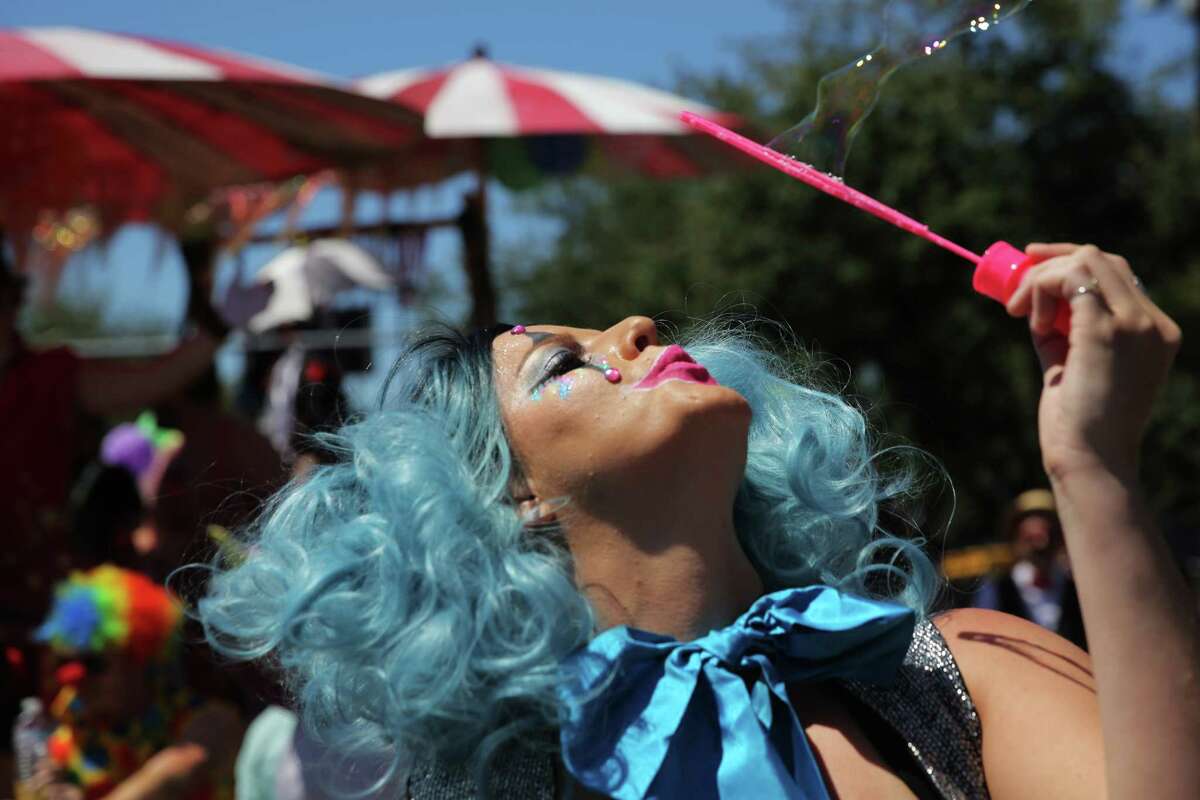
x,y
231,66
258,148
54,155
315,372
70,673
59,749
540,109
59,149
327,109
38,435
420,94
21,59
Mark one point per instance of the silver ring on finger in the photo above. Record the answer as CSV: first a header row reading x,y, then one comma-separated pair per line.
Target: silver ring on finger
x,y
1137,284
1091,287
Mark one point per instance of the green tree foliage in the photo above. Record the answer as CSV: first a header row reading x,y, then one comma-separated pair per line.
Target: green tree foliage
x,y
1026,135
73,319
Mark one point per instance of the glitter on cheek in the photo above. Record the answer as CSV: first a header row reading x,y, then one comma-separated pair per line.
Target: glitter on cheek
x,y
565,383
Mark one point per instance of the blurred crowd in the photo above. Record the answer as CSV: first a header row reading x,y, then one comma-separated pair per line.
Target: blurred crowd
x,y
114,474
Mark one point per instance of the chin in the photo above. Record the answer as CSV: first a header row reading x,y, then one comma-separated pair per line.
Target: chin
x,y
679,440
711,423
706,399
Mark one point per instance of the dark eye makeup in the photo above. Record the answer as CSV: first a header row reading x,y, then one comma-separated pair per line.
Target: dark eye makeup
x,y
560,363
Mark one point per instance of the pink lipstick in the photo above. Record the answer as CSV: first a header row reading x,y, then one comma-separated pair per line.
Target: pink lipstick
x,y
674,363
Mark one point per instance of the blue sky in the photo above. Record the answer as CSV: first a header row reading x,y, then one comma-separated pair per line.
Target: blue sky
x,y
636,39
646,40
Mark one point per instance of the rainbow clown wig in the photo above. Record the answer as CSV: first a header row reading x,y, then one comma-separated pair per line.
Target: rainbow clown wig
x,y
109,609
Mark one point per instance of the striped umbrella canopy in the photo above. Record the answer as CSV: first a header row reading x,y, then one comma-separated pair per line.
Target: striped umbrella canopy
x,y
537,122
138,129
521,124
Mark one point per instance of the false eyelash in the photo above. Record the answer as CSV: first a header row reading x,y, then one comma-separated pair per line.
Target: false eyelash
x,y
561,363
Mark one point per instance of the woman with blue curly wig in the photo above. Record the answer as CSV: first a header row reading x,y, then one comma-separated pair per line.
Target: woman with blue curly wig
x,y
562,562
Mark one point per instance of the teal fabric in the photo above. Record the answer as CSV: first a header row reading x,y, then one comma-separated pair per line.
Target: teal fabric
x,y
652,717
266,743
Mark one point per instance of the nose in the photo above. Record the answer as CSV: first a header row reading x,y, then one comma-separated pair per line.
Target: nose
x,y
633,335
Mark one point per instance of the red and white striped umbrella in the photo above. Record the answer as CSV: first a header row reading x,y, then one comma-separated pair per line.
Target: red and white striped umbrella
x,y
632,125
139,128
521,124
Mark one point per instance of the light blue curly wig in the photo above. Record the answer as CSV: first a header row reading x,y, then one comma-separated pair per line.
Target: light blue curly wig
x,y
410,610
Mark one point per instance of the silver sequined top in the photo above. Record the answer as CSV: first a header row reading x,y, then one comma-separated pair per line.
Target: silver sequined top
x,y
931,710
928,707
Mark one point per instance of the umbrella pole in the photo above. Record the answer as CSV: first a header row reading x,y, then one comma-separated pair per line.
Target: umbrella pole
x,y
476,245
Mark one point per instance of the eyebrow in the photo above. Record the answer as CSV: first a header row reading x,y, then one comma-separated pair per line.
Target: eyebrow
x,y
540,339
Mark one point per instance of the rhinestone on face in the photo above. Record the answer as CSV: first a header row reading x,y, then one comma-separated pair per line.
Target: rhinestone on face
x,y
612,375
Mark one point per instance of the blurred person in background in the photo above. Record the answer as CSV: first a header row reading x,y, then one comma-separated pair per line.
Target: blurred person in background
x,y
220,475
304,398
110,501
280,760
1038,586
320,407
43,397
214,481
225,468
106,513
127,724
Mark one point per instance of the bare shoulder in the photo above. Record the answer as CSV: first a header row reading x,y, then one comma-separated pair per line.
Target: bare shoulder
x,y
994,649
1037,705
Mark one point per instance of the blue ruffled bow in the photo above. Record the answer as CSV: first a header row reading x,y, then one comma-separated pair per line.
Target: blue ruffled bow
x,y
652,717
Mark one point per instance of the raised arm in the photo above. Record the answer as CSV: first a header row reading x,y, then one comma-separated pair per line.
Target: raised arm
x,y
1127,722
105,388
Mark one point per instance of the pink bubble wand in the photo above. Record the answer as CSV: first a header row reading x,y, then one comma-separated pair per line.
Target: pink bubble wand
x,y
997,272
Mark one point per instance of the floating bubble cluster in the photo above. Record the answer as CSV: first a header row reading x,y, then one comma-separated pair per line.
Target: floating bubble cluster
x,y
909,30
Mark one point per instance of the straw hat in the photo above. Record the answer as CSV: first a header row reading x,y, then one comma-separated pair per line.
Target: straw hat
x,y
1031,501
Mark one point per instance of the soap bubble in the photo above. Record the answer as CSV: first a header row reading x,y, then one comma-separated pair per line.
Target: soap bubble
x,y
909,30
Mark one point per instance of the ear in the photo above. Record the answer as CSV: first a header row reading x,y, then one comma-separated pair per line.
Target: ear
x,y
535,512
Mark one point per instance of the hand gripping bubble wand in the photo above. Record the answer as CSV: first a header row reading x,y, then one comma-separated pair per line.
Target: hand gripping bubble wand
x,y
998,271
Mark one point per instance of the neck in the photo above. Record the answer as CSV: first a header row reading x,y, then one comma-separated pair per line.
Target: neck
x,y
677,571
